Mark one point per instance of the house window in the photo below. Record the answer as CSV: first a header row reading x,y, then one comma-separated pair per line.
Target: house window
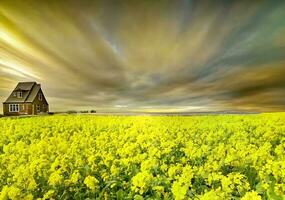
x,y
14,94
38,108
19,94
40,97
13,107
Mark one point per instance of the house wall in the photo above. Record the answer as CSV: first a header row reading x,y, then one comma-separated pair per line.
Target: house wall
x,y
29,109
42,103
5,109
24,109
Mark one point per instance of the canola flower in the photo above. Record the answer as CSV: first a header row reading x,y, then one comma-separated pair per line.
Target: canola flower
x,y
143,157
91,182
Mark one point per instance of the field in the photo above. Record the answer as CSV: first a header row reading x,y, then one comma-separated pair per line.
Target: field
x,y
143,157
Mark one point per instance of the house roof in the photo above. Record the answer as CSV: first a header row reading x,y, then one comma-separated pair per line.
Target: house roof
x,y
29,92
24,86
33,93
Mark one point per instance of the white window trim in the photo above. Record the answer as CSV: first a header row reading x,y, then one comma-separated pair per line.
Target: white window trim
x,y
38,108
19,94
40,96
14,108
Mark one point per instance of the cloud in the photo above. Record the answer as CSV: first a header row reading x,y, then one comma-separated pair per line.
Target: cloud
x,y
146,55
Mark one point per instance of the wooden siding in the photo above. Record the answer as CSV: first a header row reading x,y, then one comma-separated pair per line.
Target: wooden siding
x,y
24,109
41,103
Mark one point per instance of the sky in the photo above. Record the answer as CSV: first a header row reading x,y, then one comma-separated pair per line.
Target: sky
x,y
150,56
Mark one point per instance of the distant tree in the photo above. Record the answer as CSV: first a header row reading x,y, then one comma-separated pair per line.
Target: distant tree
x,y
92,111
71,112
84,111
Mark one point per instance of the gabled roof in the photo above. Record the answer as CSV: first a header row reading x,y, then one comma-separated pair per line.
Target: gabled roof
x,y
25,86
29,91
33,93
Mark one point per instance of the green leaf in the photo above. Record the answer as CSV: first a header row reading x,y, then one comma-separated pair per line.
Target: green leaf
x,y
120,195
271,194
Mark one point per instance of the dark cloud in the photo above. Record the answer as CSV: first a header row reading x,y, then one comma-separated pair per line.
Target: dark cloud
x,y
146,55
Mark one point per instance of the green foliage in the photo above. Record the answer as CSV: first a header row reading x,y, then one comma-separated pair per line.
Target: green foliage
x,y
143,157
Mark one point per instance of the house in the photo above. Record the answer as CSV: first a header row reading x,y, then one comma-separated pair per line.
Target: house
x,y
26,99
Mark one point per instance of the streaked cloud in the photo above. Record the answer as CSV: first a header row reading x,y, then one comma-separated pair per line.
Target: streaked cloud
x,y
146,55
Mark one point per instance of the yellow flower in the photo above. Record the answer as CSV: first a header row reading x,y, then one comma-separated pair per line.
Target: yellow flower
x,y
4,193
75,176
14,193
32,184
211,195
159,188
91,182
157,157
252,195
141,181
179,190
55,178
49,195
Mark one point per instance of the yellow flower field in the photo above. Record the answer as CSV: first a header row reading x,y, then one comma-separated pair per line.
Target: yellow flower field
x,y
143,157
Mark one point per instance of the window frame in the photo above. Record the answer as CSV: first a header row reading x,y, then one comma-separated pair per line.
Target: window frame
x,y
14,108
20,94
40,96
38,108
